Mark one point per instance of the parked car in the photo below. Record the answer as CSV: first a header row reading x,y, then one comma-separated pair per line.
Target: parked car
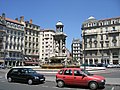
x,y
80,77
27,75
113,66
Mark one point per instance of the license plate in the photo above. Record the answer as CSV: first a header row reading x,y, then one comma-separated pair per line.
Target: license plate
x,y
41,79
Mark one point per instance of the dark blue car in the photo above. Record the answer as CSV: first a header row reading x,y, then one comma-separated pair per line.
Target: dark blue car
x,y
27,75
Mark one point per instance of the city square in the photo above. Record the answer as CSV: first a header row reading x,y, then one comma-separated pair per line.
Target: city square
x,y
47,36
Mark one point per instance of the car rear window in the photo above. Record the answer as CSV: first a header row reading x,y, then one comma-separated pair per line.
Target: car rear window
x,y
14,71
61,72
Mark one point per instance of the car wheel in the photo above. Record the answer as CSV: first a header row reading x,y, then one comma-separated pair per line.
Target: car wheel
x,y
93,85
30,81
9,79
60,84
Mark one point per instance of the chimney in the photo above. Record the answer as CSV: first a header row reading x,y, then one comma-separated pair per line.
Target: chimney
x,y
21,18
16,19
30,21
3,15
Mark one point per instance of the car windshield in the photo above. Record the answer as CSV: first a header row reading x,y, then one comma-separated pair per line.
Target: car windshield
x,y
86,72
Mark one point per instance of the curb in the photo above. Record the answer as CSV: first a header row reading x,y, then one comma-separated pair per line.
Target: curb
x,y
113,85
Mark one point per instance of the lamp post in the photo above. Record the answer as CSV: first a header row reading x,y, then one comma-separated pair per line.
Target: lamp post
x,y
84,48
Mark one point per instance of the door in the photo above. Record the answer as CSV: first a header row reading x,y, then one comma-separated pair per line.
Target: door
x,y
68,76
79,78
22,75
15,74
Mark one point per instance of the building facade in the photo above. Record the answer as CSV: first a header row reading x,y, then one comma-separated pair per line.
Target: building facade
x,y
31,50
76,48
46,45
101,41
23,43
2,39
13,42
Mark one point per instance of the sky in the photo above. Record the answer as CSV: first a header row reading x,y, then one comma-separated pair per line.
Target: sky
x,y
72,13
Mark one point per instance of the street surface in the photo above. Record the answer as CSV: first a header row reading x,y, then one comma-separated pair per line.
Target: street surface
x,y
51,85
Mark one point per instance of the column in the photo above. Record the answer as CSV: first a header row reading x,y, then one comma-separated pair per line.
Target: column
x,y
93,61
12,63
7,63
60,47
119,57
88,61
111,61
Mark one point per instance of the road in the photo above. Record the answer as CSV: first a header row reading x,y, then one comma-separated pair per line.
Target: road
x,y
4,85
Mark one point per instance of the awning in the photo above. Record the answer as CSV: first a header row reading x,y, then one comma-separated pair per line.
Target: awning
x,y
30,58
1,60
26,58
31,62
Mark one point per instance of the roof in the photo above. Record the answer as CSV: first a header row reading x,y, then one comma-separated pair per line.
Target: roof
x,y
14,21
109,19
47,30
59,23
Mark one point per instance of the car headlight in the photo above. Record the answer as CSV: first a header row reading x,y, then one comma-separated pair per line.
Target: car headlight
x,y
102,80
36,77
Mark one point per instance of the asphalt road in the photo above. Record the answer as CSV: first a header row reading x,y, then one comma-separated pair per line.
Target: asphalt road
x,y
4,85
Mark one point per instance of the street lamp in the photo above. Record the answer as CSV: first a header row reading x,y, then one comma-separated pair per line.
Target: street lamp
x,y
84,48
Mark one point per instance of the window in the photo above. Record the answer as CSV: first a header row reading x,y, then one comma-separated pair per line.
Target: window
x,y
77,73
114,44
101,37
113,28
15,71
106,37
36,39
106,29
95,45
61,72
68,72
90,45
102,45
107,44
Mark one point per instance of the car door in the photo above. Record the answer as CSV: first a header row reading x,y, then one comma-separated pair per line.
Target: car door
x,y
22,75
79,78
68,76
15,74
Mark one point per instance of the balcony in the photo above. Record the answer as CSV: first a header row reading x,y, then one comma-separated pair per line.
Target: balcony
x,y
113,31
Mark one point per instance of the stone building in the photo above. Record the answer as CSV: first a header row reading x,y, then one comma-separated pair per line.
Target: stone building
x,y
101,41
46,45
13,42
76,50
31,49
2,39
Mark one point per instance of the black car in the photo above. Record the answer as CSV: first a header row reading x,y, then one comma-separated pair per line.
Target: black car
x,y
27,75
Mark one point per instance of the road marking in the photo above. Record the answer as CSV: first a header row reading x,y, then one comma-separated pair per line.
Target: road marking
x,y
2,81
1,77
44,86
113,88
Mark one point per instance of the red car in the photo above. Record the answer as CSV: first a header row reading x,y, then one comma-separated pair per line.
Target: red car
x,y
80,77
